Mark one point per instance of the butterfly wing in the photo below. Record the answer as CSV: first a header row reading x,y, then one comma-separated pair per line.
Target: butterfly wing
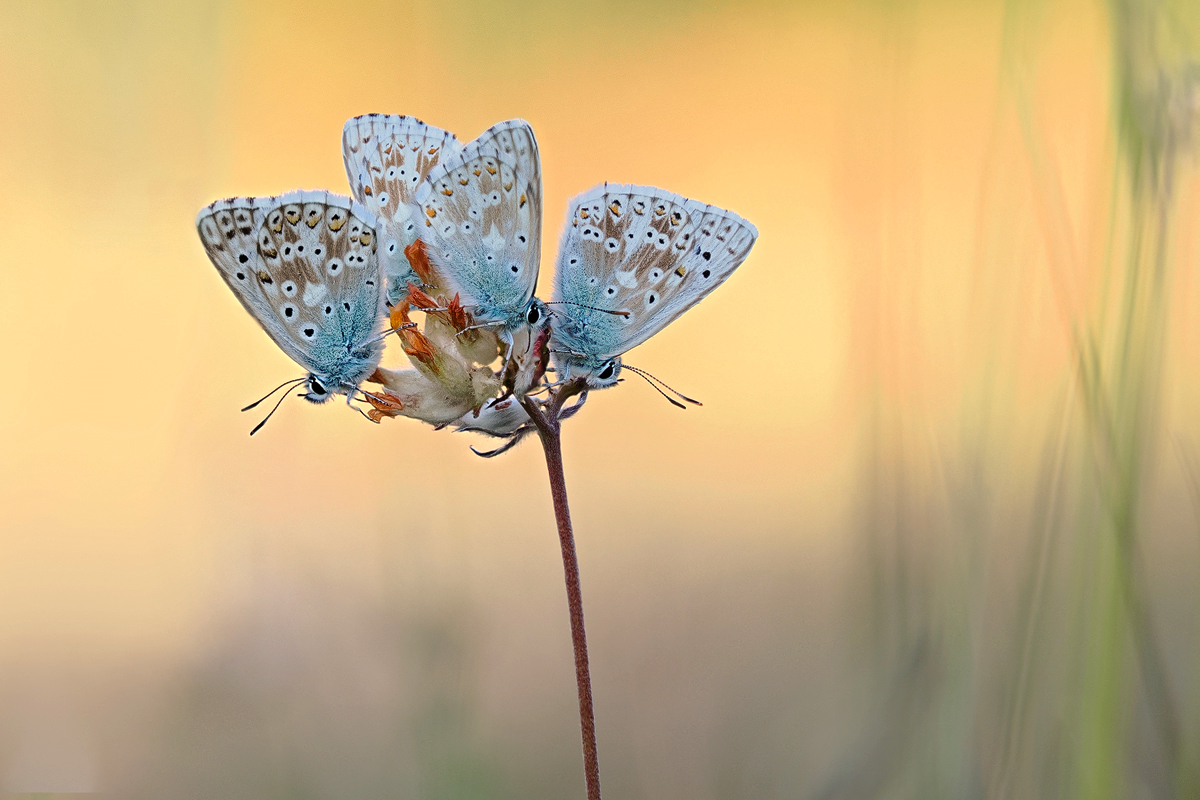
x,y
483,219
642,250
388,157
305,266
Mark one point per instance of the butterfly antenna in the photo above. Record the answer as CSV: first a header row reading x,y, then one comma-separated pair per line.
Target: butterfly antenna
x,y
390,331
273,391
652,380
268,416
480,325
624,314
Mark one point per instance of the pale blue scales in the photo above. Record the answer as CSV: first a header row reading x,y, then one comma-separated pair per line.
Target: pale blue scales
x,y
482,211
305,265
387,158
645,253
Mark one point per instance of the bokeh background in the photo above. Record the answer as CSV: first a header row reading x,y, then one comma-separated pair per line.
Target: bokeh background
x,y
932,535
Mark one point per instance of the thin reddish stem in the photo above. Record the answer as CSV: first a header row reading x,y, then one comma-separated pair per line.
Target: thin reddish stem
x,y
549,430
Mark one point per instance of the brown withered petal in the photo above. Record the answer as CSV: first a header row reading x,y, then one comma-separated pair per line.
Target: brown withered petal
x,y
458,315
384,405
419,299
418,259
418,346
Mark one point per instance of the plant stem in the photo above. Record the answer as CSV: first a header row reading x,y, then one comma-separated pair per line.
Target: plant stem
x,y
549,430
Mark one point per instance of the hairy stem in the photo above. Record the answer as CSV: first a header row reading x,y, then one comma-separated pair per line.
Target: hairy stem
x,y
549,429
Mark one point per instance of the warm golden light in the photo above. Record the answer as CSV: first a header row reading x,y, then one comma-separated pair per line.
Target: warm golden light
x,y
891,379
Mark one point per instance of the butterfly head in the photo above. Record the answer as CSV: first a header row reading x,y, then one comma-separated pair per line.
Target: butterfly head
x,y
318,389
598,373
536,314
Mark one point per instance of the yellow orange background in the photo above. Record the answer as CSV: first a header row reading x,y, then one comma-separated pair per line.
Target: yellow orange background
x,y
899,309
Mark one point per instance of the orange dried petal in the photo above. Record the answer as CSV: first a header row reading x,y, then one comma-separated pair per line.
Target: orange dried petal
x,y
459,318
418,259
419,299
417,345
399,315
384,405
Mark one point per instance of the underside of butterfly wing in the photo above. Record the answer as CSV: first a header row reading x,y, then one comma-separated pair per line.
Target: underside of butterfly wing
x,y
305,266
646,253
387,158
482,222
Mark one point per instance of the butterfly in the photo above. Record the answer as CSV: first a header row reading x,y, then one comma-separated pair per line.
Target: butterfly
x,y
631,260
388,157
482,210
305,265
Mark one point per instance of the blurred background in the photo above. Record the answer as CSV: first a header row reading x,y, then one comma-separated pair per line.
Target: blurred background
x,y
934,533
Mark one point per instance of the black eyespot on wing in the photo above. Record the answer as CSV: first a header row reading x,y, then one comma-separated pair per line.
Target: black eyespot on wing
x,y
243,258
707,255
706,273
310,332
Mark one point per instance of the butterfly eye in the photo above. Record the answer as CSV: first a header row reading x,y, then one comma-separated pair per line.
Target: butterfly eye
x,y
607,372
315,386
533,315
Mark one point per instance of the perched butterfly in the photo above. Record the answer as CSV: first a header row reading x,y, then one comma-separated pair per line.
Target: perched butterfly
x,y
482,210
305,266
387,158
632,259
